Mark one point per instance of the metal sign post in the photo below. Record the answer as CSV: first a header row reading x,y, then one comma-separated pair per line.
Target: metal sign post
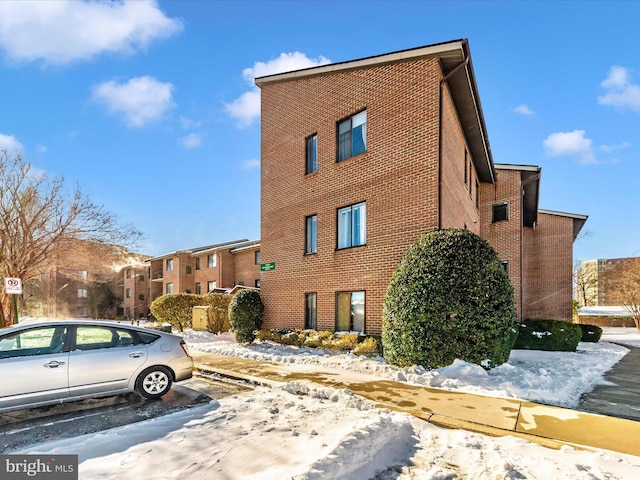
x,y
13,286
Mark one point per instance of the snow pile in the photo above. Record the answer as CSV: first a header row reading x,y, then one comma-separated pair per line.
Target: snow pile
x,y
553,378
301,432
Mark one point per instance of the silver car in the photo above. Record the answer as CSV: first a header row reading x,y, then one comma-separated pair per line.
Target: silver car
x,y
57,361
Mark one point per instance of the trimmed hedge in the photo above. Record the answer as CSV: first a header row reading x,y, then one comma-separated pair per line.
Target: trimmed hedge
x,y
548,335
176,309
449,298
245,315
352,342
590,333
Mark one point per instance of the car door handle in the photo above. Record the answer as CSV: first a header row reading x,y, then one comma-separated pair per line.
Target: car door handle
x,y
136,354
53,364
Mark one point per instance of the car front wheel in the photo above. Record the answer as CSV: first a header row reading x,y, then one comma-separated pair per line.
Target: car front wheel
x,y
154,382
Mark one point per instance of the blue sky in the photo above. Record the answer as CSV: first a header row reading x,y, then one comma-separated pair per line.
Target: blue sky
x,y
151,107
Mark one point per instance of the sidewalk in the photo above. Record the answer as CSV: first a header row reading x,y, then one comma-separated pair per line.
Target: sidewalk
x,y
622,398
549,426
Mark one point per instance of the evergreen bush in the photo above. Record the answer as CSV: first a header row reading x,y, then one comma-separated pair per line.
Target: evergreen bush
x,y
590,333
176,309
245,315
548,335
449,298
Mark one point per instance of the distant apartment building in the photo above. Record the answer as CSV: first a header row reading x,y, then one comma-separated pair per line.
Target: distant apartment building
x,y
360,158
205,269
594,288
135,284
81,281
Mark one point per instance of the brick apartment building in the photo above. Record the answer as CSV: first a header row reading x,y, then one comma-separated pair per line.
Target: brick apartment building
x,y
360,158
82,280
135,284
205,269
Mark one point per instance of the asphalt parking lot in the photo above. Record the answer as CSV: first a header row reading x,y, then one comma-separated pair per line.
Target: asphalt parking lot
x,y
21,428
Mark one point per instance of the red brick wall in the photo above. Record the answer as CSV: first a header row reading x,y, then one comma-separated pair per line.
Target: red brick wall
x,y
458,193
208,274
246,269
505,236
138,284
397,177
548,268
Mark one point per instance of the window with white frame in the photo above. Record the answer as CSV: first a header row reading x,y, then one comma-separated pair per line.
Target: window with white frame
x,y
352,136
212,260
169,288
198,288
211,285
82,293
169,264
256,257
352,225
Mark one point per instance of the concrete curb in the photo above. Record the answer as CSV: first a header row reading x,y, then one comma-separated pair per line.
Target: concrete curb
x,y
549,426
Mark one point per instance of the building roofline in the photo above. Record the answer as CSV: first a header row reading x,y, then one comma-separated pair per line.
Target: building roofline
x,y
435,50
196,250
455,59
578,220
577,216
246,246
213,248
522,168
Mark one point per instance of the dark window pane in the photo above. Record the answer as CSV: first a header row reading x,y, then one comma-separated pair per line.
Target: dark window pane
x,y
500,212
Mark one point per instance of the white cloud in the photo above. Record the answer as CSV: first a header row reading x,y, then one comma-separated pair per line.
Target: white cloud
x,y
250,164
141,100
188,124
612,148
62,31
620,92
193,140
10,144
41,149
571,144
246,108
524,110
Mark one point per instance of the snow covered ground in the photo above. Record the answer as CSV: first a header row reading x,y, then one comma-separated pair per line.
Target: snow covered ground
x,y
333,434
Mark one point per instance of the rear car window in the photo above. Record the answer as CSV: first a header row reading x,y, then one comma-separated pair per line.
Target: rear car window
x,y
97,337
147,338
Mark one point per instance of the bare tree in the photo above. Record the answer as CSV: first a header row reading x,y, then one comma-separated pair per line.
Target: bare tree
x,y
39,218
622,280
585,278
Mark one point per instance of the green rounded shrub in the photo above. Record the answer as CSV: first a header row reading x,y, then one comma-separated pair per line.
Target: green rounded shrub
x,y
450,297
590,333
548,335
245,315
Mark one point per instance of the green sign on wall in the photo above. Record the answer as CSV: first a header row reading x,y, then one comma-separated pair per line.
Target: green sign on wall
x,y
265,267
